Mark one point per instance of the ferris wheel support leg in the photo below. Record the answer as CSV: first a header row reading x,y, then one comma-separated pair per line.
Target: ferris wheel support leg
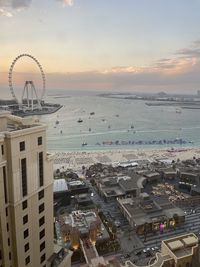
x,y
23,93
32,97
27,96
38,101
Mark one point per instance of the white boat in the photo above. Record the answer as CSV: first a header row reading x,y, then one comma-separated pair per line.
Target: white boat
x,y
178,110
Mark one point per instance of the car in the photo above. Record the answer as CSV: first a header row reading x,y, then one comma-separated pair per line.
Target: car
x,y
144,250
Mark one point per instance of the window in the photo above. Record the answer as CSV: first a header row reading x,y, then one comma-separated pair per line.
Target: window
x,y
0,255
41,221
42,246
41,208
42,258
9,242
26,233
9,255
24,177
42,234
24,204
25,219
5,185
40,141
41,194
26,247
7,226
27,260
41,171
2,150
6,211
22,146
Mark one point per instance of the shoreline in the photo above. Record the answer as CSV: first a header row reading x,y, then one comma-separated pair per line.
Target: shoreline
x,y
76,159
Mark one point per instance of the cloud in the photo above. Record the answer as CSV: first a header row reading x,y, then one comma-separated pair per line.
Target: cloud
x,y
5,13
20,3
192,51
15,4
9,7
67,2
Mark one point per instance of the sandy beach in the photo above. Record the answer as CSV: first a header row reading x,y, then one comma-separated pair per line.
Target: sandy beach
x,y
75,160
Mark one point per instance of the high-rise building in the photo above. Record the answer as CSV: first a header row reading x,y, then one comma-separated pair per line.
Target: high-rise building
x,y
26,194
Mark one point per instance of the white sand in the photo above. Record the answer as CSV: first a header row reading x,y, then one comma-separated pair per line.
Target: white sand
x,y
76,160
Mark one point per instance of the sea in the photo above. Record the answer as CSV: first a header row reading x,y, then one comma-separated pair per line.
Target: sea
x,y
107,123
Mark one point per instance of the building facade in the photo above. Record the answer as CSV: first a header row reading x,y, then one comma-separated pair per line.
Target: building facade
x,y
26,194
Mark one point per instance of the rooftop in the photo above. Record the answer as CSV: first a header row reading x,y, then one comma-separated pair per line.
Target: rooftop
x,y
60,185
147,211
128,183
10,123
182,246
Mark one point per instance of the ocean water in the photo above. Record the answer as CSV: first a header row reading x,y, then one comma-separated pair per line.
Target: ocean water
x,y
112,122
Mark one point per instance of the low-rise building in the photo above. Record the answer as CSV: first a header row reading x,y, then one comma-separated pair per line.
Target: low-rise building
x,y
77,187
146,215
113,187
61,192
86,223
179,251
83,201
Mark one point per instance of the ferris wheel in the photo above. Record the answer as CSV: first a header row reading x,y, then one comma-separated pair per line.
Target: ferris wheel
x,y
29,98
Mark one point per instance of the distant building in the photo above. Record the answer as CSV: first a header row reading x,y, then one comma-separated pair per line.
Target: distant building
x,y
179,251
77,187
113,187
83,201
61,192
86,223
146,215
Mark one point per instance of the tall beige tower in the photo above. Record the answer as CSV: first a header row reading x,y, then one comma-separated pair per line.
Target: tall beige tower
x,y
26,194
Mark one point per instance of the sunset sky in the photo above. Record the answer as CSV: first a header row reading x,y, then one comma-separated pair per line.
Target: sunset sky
x,y
121,45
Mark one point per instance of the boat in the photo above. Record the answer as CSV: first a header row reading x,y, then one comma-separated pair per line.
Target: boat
x,y
84,144
178,110
79,120
92,113
57,122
